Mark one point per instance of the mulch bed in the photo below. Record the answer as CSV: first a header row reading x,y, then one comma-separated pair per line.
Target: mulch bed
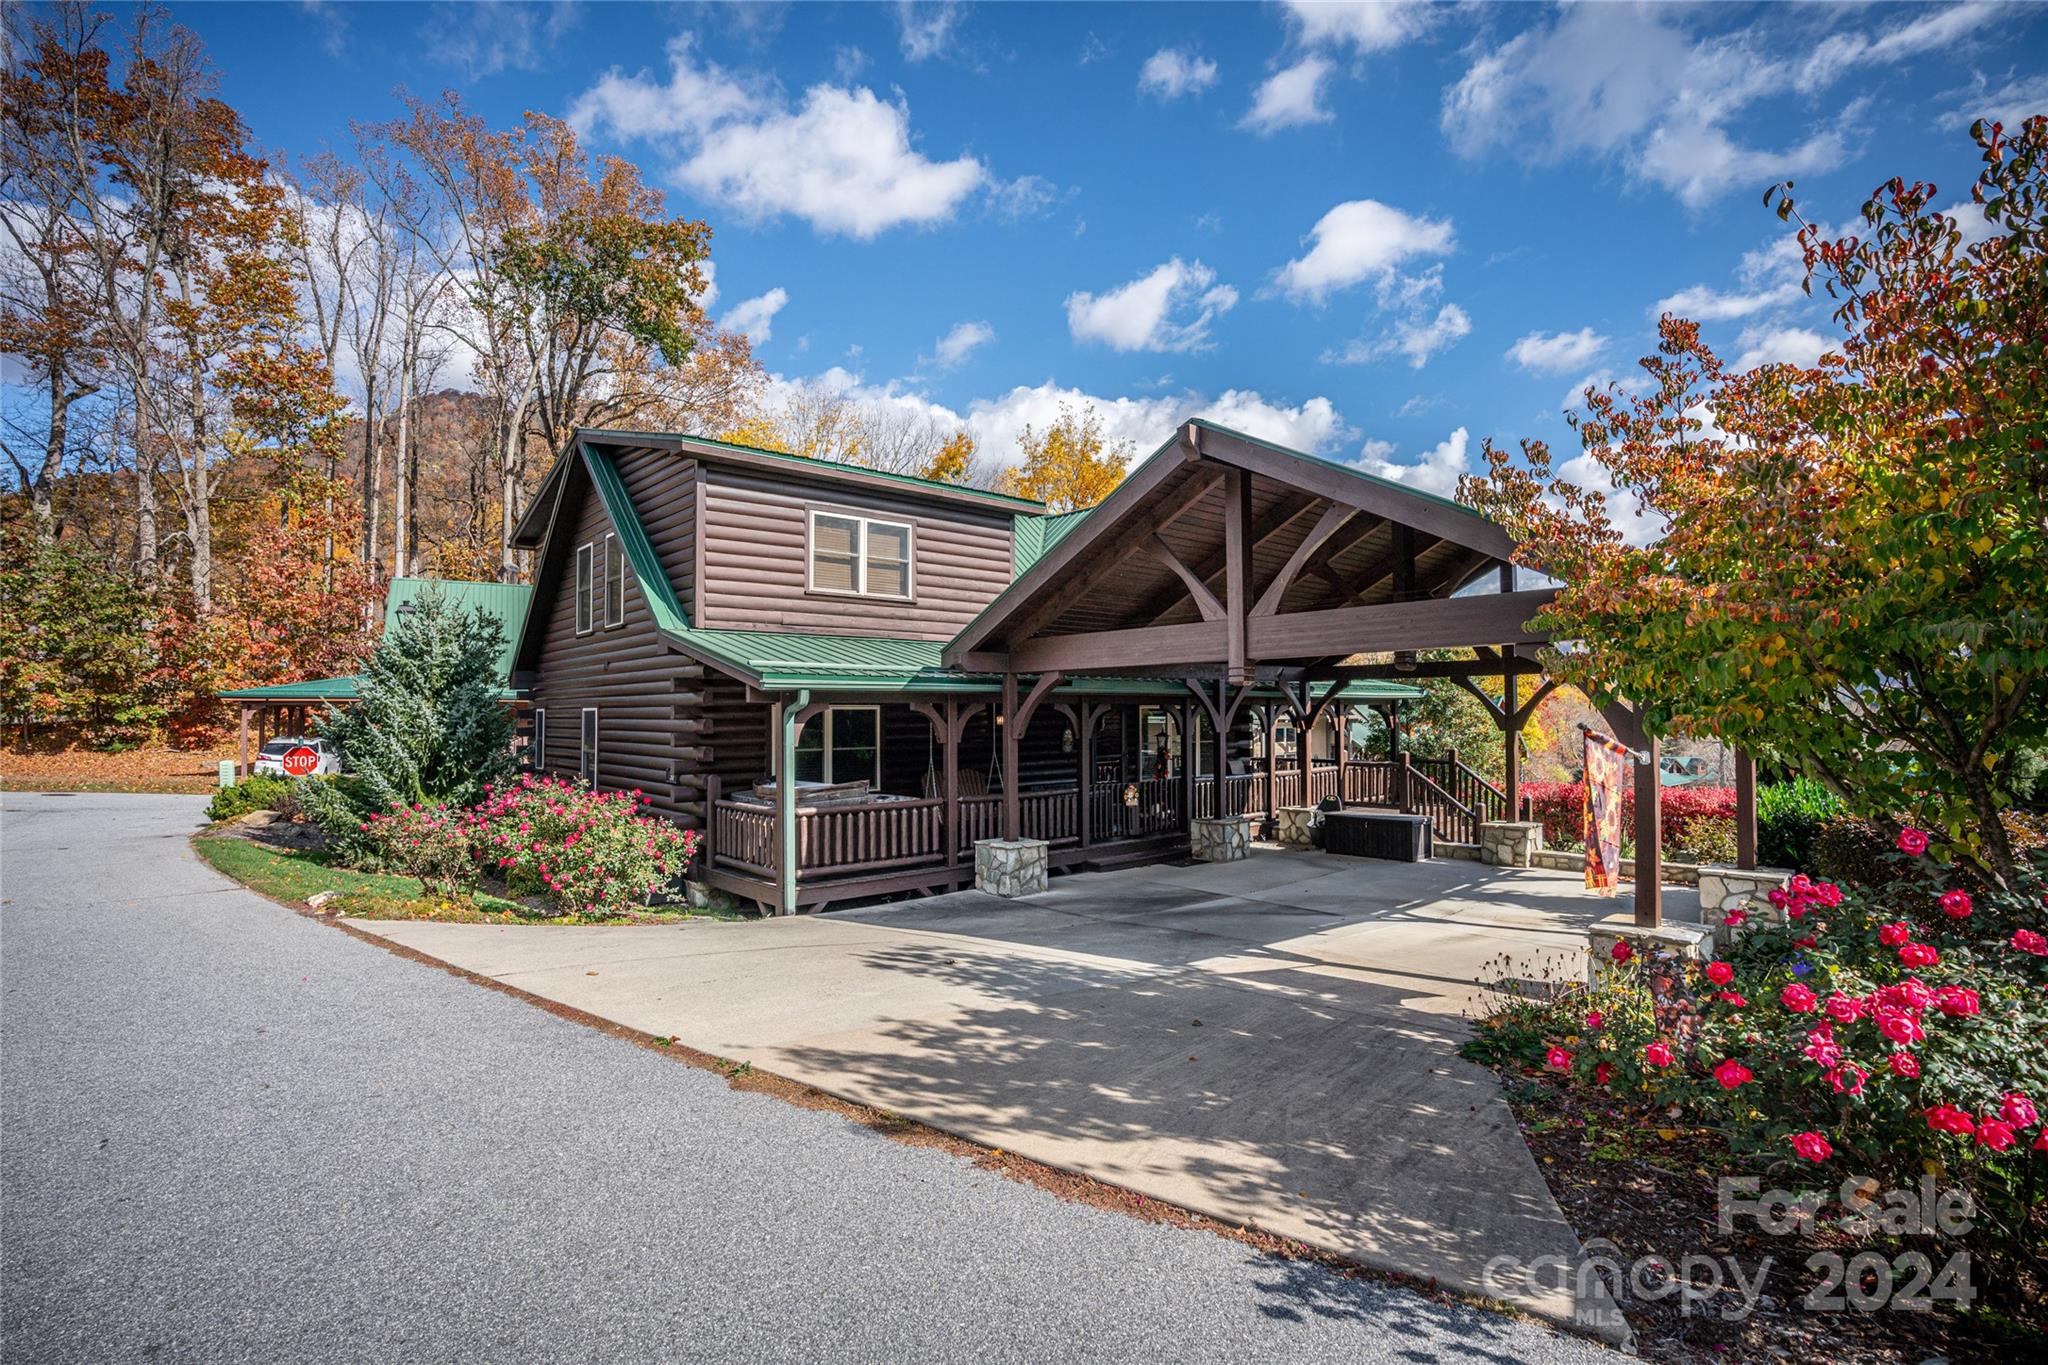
x,y
134,770
1651,1192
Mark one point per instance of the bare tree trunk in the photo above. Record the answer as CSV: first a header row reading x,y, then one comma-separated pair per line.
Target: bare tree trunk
x,y
145,505
373,473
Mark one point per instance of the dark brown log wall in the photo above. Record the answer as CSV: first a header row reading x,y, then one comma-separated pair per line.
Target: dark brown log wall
x,y
755,570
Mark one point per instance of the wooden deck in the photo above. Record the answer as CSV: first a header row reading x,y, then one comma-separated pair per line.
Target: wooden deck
x,y
872,848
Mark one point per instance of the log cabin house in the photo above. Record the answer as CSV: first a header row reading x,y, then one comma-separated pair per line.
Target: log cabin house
x,y
707,617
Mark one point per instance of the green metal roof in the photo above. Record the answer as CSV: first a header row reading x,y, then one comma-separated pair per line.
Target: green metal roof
x,y
312,689
505,601
655,588
1034,537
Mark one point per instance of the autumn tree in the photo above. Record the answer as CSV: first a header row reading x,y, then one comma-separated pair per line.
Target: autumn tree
x,y
1070,464
952,462
1852,578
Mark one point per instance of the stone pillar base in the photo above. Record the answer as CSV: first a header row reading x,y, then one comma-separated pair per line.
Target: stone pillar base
x,y
1011,867
1667,942
1222,840
1510,843
1747,889
1294,826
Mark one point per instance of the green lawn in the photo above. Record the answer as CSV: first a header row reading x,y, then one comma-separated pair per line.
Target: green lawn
x,y
295,875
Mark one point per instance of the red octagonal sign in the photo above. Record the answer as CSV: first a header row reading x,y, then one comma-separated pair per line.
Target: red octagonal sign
x,y
300,762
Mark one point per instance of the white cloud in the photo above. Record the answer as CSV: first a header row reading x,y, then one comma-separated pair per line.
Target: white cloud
x,y
1971,223
926,29
1629,82
1935,30
1141,315
1290,97
965,338
1368,26
1418,338
1557,352
1436,471
843,160
1770,278
2011,103
1637,526
1778,346
1360,240
492,36
1575,396
756,316
707,297
1172,72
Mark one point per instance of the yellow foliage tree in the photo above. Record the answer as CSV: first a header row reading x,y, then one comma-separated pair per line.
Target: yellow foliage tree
x,y
759,433
952,462
1069,465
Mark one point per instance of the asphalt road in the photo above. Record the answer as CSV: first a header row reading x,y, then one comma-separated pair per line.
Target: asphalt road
x,y
228,1132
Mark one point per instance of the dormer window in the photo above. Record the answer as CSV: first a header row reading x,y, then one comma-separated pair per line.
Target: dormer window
x,y
860,557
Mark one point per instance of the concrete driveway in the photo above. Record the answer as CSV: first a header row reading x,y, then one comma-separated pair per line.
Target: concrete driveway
x,y
1271,1042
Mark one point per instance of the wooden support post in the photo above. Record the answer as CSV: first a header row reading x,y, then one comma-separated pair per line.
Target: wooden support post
x,y
1272,723
791,722
1392,712
242,768
1745,809
950,739
1511,730
1188,740
1649,839
1084,751
1403,765
1237,577
1304,747
1013,816
1340,721
714,791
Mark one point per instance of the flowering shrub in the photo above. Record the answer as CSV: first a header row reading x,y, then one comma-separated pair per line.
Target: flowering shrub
x,y
589,852
431,842
1561,808
1884,1032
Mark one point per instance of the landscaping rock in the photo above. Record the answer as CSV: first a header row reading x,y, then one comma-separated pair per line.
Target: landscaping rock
x,y
1012,867
1224,840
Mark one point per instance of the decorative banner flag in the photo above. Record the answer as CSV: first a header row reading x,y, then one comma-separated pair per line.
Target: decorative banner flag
x,y
1607,767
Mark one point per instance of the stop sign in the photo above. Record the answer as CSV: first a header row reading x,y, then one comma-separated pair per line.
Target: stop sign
x,y
299,762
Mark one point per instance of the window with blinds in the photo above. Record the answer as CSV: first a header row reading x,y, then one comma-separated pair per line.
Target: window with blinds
x,y
584,570
614,582
857,556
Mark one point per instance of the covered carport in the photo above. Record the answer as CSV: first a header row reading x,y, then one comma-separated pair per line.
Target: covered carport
x,y
1232,562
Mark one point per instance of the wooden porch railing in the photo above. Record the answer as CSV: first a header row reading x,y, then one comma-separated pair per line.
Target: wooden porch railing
x,y
1465,786
889,836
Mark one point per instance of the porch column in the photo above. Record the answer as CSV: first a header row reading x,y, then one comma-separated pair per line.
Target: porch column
x,y
1305,751
1188,740
1013,819
1272,759
1392,713
1511,766
1084,721
1401,766
1649,838
1745,809
1222,759
790,722
242,769
950,740
1340,721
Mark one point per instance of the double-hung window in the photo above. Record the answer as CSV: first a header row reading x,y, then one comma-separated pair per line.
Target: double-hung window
x,y
842,744
586,749
860,556
614,580
585,568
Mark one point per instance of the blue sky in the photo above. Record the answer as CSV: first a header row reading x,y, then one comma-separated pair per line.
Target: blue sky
x,y
1360,229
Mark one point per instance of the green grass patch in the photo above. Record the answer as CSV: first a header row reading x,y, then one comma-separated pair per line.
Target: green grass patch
x,y
297,874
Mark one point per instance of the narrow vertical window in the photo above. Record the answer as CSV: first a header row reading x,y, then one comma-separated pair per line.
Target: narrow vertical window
x,y
586,759
537,751
583,573
614,582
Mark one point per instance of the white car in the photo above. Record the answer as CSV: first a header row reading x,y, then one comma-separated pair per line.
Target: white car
x,y
270,761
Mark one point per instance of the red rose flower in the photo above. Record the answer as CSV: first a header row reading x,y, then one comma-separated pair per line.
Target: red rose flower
x,y
1893,934
1905,1065
1956,904
1812,1146
1621,952
1594,1019
1731,998
1720,973
1659,1054
1995,1133
1799,998
1946,1118
1918,955
1557,1059
1735,919
2019,1111
1731,1074
1912,842
2027,941
1844,1009
1957,1001
1602,1072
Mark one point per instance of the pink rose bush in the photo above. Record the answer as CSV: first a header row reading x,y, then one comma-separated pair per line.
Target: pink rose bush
x,y
1882,1031
589,853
